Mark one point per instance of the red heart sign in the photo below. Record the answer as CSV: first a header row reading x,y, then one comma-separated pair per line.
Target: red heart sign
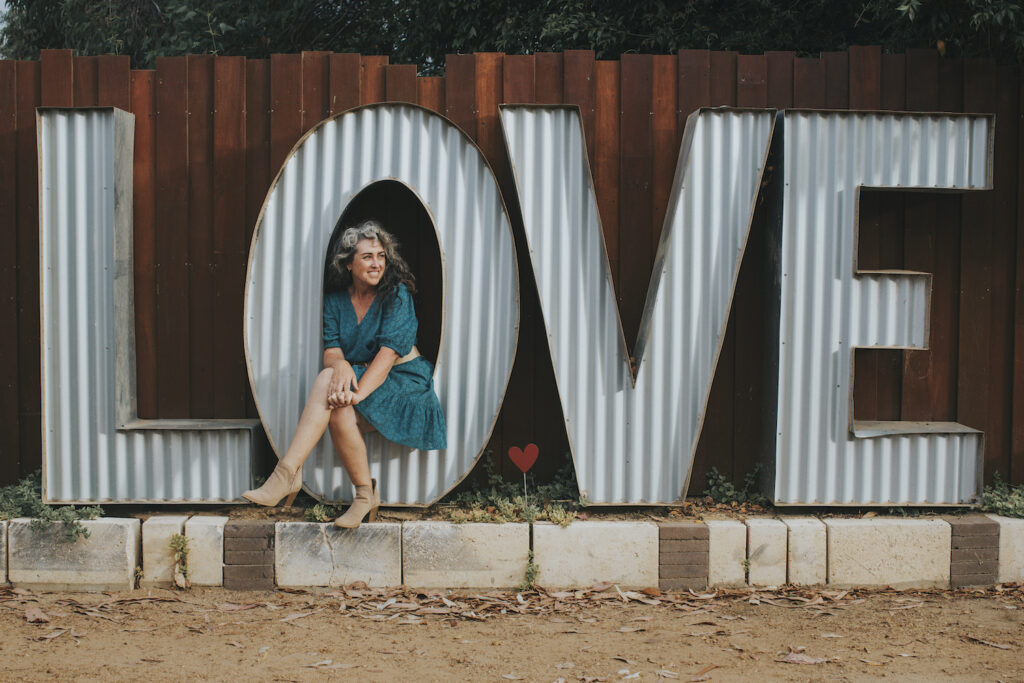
x,y
524,459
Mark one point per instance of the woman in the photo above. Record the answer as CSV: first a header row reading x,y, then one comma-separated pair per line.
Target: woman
x,y
374,378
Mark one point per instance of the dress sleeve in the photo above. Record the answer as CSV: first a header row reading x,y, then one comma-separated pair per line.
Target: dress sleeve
x,y
398,322
332,322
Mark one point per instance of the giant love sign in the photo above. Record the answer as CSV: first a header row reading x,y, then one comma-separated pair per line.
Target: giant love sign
x,y
632,429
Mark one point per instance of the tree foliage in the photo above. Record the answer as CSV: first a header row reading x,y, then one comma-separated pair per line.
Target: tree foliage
x,y
419,32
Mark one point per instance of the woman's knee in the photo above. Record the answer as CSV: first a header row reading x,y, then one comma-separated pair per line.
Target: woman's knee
x,y
343,418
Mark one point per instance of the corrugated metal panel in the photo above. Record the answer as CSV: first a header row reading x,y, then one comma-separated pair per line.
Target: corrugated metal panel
x,y
635,444
89,454
333,163
826,310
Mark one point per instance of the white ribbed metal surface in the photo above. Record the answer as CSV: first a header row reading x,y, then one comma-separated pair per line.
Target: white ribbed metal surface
x,y
635,444
332,164
826,310
88,351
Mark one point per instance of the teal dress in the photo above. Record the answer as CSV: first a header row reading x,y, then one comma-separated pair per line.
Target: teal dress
x,y
404,408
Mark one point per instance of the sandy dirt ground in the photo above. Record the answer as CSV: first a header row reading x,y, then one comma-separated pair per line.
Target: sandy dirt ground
x,y
603,634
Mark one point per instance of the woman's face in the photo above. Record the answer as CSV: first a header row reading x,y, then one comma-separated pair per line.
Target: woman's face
x,y
368,262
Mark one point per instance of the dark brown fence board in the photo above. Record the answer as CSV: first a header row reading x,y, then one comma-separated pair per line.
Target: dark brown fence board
x,y
694,89
808,83
865,77
723,79
636,147
172,258
114,81
748,305
894,82
344,81
143,106
29,391
578,88
922,388
85,78
316,88
751,81
837,79
230,246
606,159
548,79
460,92
665,139
285,107
975,365
200,235
57,85
400,83
998,428
779,74
430,93
374,79
9,433
518,79
1016,463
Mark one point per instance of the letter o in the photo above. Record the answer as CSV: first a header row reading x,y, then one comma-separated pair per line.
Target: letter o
x,y
325,170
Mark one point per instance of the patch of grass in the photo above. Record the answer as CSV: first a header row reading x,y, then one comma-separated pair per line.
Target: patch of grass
x,y
1003,499
530,578
179,546
321,513
500,501
721,490
25,499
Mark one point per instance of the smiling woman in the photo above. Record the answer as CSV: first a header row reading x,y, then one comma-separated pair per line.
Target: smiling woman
x,y
374,378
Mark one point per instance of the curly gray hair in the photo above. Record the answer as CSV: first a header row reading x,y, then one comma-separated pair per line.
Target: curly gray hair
x,y
395,271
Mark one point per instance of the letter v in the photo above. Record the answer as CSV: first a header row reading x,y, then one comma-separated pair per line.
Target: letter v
x,y
633,437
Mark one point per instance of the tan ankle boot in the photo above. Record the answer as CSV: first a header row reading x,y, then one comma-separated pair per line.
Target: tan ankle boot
x,y
281,483
365,503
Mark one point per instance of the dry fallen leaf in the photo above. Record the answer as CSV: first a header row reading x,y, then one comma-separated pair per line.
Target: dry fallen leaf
x,y
512,677
53,634
987,642
34,615
796,656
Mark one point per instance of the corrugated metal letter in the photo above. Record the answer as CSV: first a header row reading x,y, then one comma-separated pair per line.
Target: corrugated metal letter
x,y
95,450
634,441
323,173
825,308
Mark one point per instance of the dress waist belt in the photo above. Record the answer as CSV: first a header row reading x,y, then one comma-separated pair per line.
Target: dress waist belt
x,y
412,355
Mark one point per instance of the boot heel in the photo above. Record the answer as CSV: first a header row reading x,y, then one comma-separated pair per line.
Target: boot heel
x,y
372,516
290,500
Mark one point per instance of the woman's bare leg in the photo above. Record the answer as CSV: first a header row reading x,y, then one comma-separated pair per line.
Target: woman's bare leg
x,y
347,436
312,423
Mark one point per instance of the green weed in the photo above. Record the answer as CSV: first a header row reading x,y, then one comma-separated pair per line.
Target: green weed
x,y
25,499
1003,499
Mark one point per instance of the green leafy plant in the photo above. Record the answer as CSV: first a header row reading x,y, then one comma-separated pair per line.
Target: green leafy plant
x,y
530,578
721,490
500,501
179,546
321,513
1003,499
25,499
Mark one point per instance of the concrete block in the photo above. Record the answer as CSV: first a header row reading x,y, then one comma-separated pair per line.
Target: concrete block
x,y
206,550
3,553
44,560
157,557
766,550
446,555
727,552
808,551
902,553
1011,548
323,555
585,553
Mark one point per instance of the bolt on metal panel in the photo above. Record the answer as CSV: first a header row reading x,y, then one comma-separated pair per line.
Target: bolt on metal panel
x,y
824,308
633,442
327,168
95,449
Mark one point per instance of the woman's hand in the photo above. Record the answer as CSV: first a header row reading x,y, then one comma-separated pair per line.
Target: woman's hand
x,y
343,385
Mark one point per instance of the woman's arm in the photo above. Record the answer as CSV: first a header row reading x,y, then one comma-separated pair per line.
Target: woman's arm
x,y
375,374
